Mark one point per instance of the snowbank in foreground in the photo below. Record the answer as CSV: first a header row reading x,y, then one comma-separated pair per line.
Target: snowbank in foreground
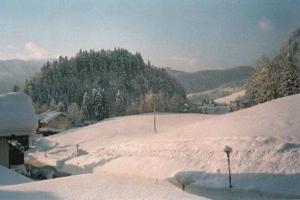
x,y
9,177
265,141
92,186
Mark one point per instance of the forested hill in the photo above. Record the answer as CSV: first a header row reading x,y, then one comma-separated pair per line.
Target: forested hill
x,y
277,77
210,79
98,84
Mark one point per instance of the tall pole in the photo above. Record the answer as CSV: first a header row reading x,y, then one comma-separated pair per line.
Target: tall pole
x,y
154,120
228,150
230,186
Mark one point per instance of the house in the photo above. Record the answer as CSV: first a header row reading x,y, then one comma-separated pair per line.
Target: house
x,y
17,124
53,122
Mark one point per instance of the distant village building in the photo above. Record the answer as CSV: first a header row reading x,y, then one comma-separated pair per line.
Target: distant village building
x,y
212,107
53,122
234,102
17,123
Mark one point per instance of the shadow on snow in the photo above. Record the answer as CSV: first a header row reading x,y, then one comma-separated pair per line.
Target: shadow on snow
x,y
245,185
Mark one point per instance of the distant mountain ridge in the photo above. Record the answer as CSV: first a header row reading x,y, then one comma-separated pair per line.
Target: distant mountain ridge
x,y
15,72
210,79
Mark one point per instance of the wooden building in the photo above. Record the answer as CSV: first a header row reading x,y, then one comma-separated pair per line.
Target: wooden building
x,y
17,123
53,122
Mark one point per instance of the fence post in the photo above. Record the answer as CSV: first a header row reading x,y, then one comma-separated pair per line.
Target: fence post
x,y
46,149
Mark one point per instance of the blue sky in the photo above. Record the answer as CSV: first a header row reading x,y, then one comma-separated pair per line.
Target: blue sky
x,y
182,34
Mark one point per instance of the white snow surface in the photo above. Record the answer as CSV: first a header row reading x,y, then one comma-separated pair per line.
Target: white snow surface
x,y
232,97
265,141
17,115
94,186
9,177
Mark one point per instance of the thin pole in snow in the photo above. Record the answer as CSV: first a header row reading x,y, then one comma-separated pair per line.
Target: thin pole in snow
x,y
228,150
230,186
154,120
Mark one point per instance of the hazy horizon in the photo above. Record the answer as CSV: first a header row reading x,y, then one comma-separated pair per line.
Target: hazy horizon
x,y
183,35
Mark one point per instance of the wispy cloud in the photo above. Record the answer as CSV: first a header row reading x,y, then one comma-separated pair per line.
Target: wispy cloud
x,y
265,23
34,51
26,51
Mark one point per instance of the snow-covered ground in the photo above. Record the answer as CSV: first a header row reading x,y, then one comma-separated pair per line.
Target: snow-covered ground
x,y
188,148
93,186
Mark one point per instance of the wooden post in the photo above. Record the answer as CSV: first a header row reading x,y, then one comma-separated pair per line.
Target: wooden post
x,y
46,152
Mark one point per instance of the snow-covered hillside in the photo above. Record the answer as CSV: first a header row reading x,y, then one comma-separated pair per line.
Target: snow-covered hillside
x,y
189,148
232,97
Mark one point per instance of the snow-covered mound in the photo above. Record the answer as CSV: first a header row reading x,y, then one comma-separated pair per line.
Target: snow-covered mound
x,y
265,141
17,115
9,177
92,186
232,97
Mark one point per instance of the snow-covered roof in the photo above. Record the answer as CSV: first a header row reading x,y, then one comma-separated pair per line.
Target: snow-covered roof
x,y
17,115
51,130
48,116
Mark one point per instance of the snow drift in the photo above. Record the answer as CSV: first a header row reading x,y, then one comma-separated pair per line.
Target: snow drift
x,y
91,186
189,148
9,177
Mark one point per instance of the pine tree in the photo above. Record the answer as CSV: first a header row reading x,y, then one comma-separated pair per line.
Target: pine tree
x,y
85,107
60,107
75,113
99,105
263,85
118,105
53,104
289,79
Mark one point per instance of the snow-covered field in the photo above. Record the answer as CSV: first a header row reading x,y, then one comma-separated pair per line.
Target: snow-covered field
x,y
189,148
